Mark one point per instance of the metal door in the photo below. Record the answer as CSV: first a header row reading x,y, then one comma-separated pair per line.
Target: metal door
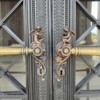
x,y
48,46
34,18
84,21
67,45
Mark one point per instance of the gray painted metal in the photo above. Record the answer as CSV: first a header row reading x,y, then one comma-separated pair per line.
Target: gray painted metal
x,y
85,11
9,31
72,59
63,90
12,11
39,16
19,86
13,62
89,65
5,72
27,39
52,16
85,34
85,80
82,83
88,93
12,95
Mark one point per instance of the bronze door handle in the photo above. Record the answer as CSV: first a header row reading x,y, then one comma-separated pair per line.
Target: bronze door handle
x,y
39,51
64,50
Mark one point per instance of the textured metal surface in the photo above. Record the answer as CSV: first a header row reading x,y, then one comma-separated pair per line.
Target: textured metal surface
x,y
41,19
60,19
52,16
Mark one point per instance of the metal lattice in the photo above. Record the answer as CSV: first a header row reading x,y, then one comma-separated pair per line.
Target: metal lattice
x,y
5,72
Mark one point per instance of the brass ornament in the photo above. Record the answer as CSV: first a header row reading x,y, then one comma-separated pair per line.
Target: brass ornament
x,y
39,51
90,51
63,52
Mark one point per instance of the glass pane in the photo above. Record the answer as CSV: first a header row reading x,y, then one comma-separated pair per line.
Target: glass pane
x,y
16,67
90,98
83,23
94,83
6,6
92,38
82,69
15,23
6,85
93,7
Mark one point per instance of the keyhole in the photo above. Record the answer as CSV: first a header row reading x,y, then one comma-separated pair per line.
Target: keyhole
x,y
61,72
40,71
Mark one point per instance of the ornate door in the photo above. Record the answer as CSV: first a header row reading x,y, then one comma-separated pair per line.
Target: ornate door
x,y
39,42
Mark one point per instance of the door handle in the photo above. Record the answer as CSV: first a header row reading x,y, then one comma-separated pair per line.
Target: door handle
x,y
64,50
38,48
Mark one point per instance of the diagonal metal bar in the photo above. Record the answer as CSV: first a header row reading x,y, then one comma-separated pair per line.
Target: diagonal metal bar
x,y
85,11
15,83
12,95
12,11
13,62
13,80
90,46
86,62
85,80
0,23
88,93
13,34
85,34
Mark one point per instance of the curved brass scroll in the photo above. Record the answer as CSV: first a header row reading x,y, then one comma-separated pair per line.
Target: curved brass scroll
x,y
39,51
63,52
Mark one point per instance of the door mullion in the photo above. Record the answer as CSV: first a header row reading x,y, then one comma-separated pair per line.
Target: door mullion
x,y
62,88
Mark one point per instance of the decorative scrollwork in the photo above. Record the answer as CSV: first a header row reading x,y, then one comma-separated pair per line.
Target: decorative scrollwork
x,y
39,51
63,52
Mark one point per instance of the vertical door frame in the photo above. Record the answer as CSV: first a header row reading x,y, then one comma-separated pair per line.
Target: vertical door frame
x,y
31,24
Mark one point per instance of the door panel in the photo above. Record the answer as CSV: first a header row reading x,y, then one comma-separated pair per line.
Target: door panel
x,y
60,20
40,17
